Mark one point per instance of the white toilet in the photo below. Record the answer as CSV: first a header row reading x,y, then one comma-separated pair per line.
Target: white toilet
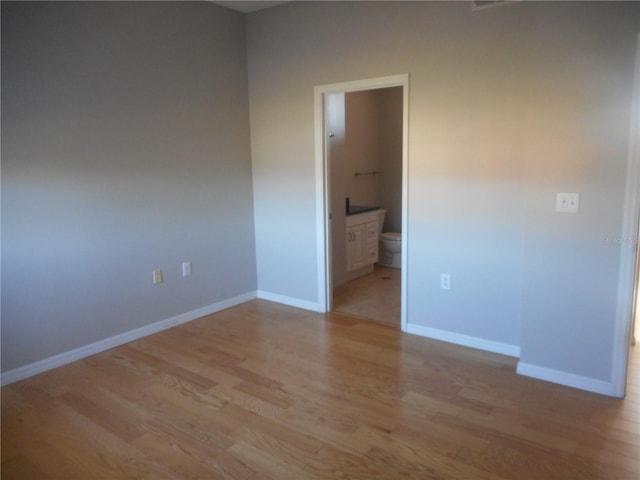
x,y
390,246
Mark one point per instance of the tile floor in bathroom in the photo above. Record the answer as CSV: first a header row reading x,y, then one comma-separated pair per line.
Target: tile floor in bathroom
x,y
375,296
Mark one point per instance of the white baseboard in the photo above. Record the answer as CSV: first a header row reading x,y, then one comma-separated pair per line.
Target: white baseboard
x,y
292,302
566,379
465,340
55,361
529,370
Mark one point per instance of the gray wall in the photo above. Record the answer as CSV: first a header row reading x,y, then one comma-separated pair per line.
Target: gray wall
x,y
507,106
125,147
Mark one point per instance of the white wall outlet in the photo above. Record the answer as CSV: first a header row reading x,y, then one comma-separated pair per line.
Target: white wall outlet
x,y
157,276
186,269
567,202
445,281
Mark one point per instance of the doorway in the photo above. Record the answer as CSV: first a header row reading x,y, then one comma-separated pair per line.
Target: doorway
x,y
350,170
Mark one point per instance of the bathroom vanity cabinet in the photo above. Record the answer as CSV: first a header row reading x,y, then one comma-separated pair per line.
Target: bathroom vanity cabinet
x,y
362,240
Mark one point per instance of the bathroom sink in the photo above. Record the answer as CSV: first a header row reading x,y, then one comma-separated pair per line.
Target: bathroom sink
x,y
355,209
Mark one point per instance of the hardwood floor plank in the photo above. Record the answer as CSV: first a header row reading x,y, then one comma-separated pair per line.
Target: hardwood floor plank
x,y
158,364
623,458
383,463
326,427
80,448
496,429
263,461
540,464
233,469
177,459
438,438
20,468
363,409
108,419
274,396
278,429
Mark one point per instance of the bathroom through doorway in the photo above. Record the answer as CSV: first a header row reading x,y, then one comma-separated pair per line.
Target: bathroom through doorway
x,y
361,129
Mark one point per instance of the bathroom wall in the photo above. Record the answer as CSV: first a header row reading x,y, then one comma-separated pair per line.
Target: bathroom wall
x,y
362,147
390,179
366,129
339,176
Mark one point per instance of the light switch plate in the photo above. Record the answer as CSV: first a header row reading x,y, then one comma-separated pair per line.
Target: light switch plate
x,y
568,202
186,269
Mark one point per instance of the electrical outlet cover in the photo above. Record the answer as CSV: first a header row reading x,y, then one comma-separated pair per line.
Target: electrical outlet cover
x,y
157,276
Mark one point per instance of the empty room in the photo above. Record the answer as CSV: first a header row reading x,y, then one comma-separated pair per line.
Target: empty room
x,y
184,186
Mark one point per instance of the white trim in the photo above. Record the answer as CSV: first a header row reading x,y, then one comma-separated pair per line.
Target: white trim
x,y
628,248
292,302
483,5
566,379
465,340
61,359
366,84
404,261
529,370
322,232
323,241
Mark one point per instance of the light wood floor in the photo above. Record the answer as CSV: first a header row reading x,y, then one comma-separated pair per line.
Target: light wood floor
x,y
375,296
263,391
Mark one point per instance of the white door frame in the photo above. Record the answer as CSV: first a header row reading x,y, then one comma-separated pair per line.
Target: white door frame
x,y
628,248
323,228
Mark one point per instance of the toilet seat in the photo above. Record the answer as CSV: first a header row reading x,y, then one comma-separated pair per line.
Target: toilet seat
x,y
391,236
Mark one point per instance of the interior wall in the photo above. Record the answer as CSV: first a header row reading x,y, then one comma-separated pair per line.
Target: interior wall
x,y
125,148
335,118
362,147
507,107
390,179
580,116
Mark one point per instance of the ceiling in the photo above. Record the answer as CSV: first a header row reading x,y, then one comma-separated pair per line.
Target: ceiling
x,y
248,6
